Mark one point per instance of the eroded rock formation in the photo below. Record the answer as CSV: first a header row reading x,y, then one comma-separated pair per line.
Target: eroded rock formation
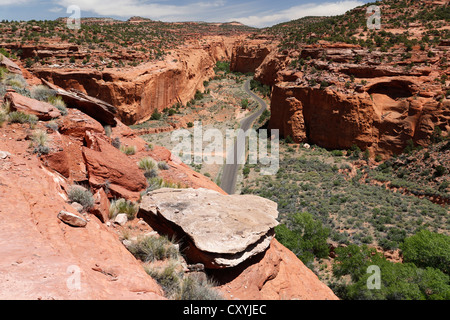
x,y
222,231
138,92
337,103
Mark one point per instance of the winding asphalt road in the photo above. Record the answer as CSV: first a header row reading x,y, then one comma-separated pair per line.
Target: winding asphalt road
x,y
230,171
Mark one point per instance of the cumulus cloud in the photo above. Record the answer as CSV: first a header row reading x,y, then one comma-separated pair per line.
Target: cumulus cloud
x,y
148,9
13,2
300,11
247,12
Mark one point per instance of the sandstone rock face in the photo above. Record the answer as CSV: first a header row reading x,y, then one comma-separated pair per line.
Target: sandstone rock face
x,y
101,205
223,231
10,65
371,119
42,257
106,163
247,58
97,109
43,110
138,92
385,107
276,274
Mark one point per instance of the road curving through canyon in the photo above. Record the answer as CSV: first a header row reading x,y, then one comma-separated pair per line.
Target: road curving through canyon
x,y
230,170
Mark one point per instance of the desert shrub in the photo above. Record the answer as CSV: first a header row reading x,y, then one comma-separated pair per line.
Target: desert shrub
x,y
337,153
3,115
196,288
15,80
304,236
39,139
20,117
128,150
156,115
244,104
59,103
116,143
81,195
3,71
42,93
168,278
147,164
428,249
222,66
153,248
398,281
52,125
162,165
123,206
440,171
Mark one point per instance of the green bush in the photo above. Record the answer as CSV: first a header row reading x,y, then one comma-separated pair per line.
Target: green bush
x,y
153,248
196,288
428,249
20,117
168,278
398,281
147,164
304,236
42,93
59,103
156,115
162,165
123,206
128,150
81,195
39,139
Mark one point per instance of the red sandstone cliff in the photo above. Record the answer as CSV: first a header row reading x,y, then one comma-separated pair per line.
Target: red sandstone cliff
x,y
137,92
381,109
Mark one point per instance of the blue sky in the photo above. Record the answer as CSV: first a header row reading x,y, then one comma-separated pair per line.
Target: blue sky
x,y
257,13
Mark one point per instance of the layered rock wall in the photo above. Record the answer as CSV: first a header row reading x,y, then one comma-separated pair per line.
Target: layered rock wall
x,y
138,92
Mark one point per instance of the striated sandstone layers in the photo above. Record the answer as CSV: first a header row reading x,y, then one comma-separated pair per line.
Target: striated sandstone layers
x,y
138,92
335,103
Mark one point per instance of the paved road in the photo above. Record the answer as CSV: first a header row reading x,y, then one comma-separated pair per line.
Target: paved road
x,y
230,171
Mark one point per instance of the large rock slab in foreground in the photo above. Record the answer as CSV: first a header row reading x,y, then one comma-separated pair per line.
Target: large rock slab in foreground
x,y
217,230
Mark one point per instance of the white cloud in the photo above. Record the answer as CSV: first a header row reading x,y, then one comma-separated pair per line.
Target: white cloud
x,y
13,2
149,9
297,12
55,9
203,10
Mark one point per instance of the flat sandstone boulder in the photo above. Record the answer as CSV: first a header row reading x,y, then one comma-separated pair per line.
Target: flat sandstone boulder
x,y
217,230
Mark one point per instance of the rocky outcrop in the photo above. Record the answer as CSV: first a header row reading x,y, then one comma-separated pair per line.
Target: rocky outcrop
x,y
276,274
248,57
219,231
43,110
108,166
10,65
374,119
138,92
44,258
97,109
331,101
43,50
